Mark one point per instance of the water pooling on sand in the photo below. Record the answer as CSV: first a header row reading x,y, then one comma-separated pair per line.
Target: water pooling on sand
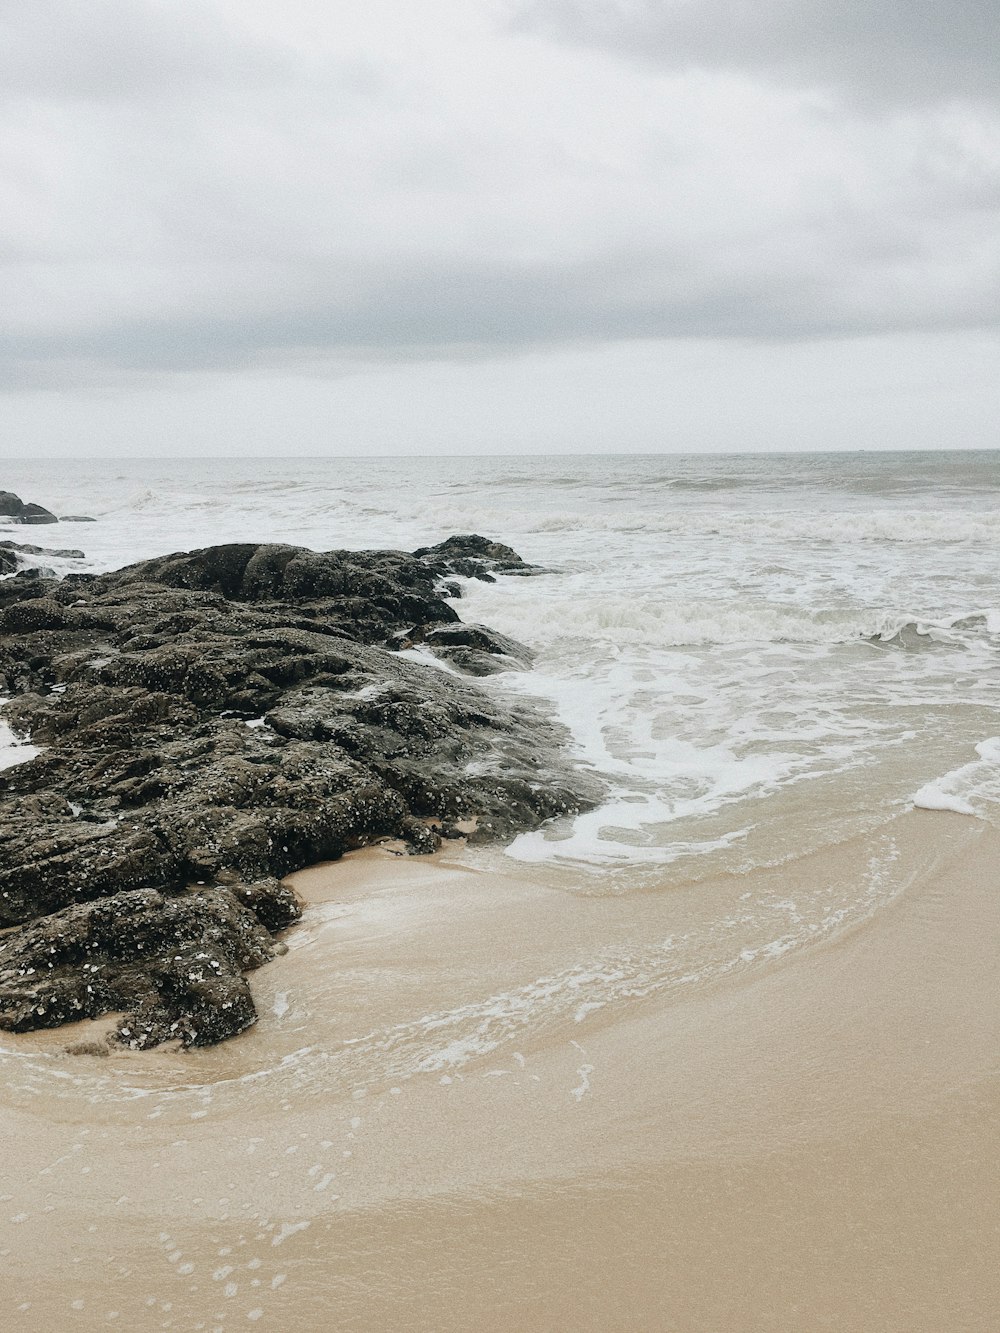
x,y
768,660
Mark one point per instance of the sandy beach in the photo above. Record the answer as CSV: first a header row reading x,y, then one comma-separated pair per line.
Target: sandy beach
x,y
794,1143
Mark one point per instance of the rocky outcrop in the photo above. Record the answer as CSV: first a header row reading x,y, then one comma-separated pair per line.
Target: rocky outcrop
x,y
476,557
15,510
29,559
474,649
221,718
176,964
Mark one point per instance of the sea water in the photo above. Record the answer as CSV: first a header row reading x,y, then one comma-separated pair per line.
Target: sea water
x,y
763,658
755,652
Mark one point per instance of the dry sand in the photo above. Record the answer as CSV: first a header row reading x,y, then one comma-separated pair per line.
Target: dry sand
x,y
805,1142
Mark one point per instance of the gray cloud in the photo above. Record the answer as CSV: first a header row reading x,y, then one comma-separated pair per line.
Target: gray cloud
x,y
877,50
184,194
484,309
121,50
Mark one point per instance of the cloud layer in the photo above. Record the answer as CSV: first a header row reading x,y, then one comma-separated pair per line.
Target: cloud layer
x,y
877,51
205,187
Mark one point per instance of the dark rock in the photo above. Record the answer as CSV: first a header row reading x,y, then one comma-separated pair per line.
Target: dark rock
x,y
228,716
12,507
273,904
32,513
76,518
12,559
173,964
421,838
474,649
365,595
71,860
27,549
36,613
474,556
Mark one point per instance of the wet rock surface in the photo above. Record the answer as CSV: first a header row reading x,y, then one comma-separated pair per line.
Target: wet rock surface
x,y
220,718
14,510
24,558
175,964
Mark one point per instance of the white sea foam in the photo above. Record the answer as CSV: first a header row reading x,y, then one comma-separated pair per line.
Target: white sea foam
x,y
972,789
936,796
654,620
423,657
13,749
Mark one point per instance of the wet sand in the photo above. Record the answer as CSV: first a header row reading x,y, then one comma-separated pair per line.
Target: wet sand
x,y
430,1130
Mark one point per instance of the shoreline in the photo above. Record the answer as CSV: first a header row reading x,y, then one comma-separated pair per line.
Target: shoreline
x,y
208,721
805,1144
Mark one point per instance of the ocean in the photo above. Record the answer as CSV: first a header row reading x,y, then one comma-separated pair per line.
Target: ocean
x,y
730,640
783,668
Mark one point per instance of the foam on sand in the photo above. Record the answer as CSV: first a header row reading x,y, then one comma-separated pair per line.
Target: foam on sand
x,y
973,789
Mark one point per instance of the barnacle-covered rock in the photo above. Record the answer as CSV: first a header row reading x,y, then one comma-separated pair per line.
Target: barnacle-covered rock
x,y
220,718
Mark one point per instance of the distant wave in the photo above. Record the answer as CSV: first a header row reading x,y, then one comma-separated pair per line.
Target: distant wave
x,y
656,622
914,527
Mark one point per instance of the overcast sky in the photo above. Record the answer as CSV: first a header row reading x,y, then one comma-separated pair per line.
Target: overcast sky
x,y
238,226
